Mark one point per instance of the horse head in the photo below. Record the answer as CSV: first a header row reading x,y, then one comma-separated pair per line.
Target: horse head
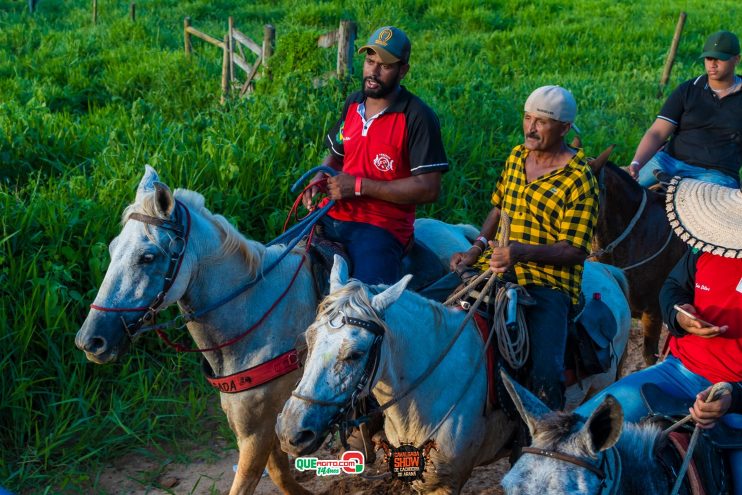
x,y
568,453
149,270
344,353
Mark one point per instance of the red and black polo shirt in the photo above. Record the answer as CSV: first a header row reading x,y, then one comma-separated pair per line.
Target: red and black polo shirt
x,y
401,141
709,129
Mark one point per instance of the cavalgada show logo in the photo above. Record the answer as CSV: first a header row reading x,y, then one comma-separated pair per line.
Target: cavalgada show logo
x,y
351,462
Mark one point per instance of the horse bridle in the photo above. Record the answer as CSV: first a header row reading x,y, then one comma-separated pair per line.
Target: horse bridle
x,y
367,378
609,478
177,247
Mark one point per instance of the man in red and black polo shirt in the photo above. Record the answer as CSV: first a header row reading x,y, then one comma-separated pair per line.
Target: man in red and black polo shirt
x,y
387,146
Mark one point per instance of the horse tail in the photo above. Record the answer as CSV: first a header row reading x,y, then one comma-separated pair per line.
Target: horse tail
x,y
620,277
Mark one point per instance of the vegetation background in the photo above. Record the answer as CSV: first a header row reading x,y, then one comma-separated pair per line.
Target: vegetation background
x,y
83,107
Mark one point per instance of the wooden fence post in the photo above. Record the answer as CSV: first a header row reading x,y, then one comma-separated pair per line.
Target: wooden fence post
x,y
671,55
346,45
230,45
225,69
133,11
269,44
95,12
187,36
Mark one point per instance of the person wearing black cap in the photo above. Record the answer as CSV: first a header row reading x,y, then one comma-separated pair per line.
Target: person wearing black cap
x,y
703,119
387,146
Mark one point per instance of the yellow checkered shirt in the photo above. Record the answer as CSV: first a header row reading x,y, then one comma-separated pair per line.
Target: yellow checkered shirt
x,y
559,206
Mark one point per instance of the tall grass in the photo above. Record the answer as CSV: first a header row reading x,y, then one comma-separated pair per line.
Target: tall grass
x,y
83,107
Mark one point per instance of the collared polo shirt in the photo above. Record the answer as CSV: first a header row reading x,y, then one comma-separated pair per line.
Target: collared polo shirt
x,y
559,206
708,130
399,142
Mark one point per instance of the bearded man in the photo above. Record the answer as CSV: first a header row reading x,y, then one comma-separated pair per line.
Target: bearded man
x,y
387,146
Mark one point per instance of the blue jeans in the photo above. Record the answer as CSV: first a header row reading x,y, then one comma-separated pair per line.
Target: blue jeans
x,y
375,254
547,324
675,379
672,166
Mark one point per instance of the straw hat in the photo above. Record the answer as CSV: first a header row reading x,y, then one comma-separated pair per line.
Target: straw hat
x,y
706,216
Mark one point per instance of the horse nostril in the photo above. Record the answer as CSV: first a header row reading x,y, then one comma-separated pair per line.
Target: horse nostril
x,y
302,438
95,344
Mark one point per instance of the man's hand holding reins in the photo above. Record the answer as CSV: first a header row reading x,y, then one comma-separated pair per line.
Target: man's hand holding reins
x,y
705,414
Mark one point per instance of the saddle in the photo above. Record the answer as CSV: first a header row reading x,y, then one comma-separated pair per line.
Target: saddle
x,y
419,259
590,338
708,472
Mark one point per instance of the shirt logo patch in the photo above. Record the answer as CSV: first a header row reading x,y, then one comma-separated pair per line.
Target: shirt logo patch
x,y
339,137
383,162
739,286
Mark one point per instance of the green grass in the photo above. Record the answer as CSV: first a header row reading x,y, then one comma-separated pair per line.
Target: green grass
x,y
84,107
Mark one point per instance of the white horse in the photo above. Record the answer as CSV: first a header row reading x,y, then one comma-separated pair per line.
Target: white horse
x,y
171,249
449,406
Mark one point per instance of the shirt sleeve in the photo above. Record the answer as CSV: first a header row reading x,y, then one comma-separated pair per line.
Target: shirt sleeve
x,y
580,214
673,109
425,143
334,138
678,289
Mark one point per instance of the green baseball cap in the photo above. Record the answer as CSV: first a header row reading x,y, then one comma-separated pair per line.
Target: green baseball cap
x,y
390,44
722,45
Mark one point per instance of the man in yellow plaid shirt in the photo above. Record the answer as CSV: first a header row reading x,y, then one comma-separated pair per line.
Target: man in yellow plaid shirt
x,y
551,197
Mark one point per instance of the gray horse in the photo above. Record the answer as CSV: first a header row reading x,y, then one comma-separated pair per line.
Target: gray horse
x,y
596,455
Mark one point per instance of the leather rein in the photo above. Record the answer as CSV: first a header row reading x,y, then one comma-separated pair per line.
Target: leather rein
x,y
609,478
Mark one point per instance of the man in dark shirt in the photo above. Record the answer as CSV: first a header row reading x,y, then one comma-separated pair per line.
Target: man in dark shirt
x,y
703,119
387,146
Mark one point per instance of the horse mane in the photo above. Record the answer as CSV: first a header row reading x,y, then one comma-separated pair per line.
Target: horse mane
x,y
639,441
232,241
352,296
623,176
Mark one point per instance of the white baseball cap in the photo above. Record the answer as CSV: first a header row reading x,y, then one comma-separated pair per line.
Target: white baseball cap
x,y
553,102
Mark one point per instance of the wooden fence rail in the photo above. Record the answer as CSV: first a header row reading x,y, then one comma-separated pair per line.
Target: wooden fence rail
x,y
233,55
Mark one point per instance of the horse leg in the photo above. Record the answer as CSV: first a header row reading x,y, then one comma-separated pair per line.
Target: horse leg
x,y
252,461
651,327
278,470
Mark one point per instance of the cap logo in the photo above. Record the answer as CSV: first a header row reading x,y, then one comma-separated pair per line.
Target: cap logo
x,y
383,38
543,110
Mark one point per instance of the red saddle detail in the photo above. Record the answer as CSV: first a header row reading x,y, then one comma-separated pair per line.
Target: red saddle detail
x,y
680,441
484,332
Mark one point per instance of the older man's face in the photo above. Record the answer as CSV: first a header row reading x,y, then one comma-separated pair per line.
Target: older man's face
x,y
542,133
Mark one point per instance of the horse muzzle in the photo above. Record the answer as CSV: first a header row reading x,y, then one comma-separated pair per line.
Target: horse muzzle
x,y
100,346
296,437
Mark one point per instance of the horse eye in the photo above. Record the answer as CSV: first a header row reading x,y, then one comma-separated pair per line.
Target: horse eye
x,y
146,258
353,356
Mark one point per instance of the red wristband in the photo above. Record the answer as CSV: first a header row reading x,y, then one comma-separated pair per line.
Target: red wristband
x,y
358,186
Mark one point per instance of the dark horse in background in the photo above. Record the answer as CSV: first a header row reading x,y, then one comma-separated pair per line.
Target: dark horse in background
x,y
633,233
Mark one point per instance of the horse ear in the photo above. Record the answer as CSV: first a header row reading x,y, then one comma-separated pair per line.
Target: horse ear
x,y
602,159
163,199
604,426
147,184
530,408
339,273
382,301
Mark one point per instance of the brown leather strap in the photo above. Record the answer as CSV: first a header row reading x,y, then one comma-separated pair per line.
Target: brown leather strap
x,y
567,458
